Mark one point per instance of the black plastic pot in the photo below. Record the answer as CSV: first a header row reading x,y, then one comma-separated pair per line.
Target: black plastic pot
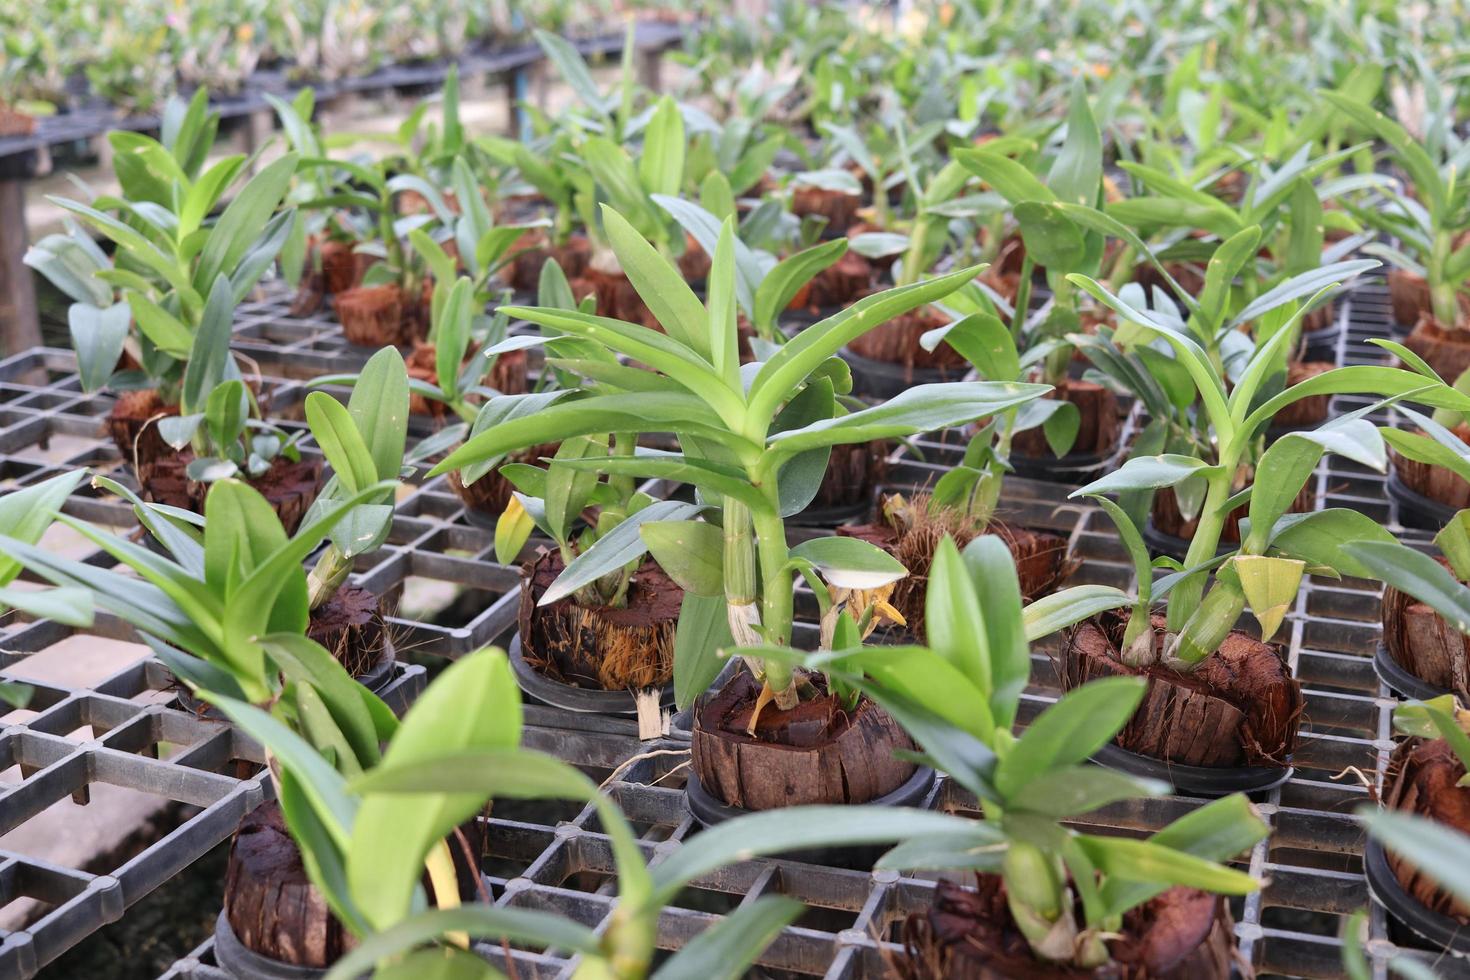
x,y
879,379
246,964
1194,780
919,790
559,695
828,517
1322,344
1073,469
1401,681
1415,509
1440,930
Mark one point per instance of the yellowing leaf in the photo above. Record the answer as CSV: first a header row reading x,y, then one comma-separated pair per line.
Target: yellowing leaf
x,y
1270,586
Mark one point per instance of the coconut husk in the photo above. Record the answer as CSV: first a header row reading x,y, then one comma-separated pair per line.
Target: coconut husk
x,y
1408,294
14,123
1239,707
1308,412
616,296
1100,426
371,316
897,342
694,263
839,208
342,267
1168,520
1042,561
531,251
132,424
1320,318
1446,350
1190,277
270,901
488,495
350,626
609,648
1421,642
854,473
1424,781
841,284
816,753
1434,482
969,934
508,376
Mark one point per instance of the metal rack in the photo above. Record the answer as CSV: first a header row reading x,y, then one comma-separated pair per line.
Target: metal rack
x,y
555,856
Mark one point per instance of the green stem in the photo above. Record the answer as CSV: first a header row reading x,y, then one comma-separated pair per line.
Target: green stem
x,y
1023,299
1186,596
1441,290
327,576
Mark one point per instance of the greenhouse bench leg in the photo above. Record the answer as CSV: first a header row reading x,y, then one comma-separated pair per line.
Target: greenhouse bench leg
x,y
20,323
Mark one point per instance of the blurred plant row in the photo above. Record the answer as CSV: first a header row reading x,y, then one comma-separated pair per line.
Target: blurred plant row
x,y
57,55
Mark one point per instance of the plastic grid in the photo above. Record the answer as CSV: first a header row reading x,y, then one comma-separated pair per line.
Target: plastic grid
x,y
555,857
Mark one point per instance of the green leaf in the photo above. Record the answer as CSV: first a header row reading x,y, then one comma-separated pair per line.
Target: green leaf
x,y
702,632
953,620
792,828
725,950
780,286
1417,575
379,410
475,704
334,430
691,552
1217,831
1082,721
1077,169
613,550
984,341
307,662
1071,791
209,357
808,350
97,335
65,605
723,337
161,327
661,165
923,408
981,849
1068,607
850,563
1147,473
1010,179
659,284
243,221
1290,461
1146,861
1051,238
992,574
488,922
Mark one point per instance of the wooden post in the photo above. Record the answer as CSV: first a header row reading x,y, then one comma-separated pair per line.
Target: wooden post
x,y
650,68
259,128
20,321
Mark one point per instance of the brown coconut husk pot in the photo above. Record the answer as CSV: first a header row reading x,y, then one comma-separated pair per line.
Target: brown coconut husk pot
x,y
1239,707
350,626
816,753
14,123
371,316
616,296
854,473
897,342
606,648
1167,519
1446,350
342,267
1408,294
534,247
1320,318
968,934
1425,782
275,911
1434,482
488,495
1190,277
289,487
508,376
839,208
1042,561
1308,412
841,284
694,262
1100,425
132,424
1421,642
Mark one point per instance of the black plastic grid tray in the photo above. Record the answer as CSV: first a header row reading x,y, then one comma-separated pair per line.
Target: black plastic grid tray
x,y
555,856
